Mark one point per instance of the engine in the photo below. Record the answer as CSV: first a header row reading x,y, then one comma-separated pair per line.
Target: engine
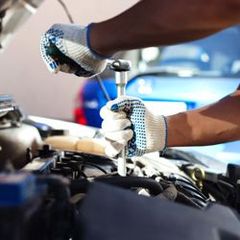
x,y
48,193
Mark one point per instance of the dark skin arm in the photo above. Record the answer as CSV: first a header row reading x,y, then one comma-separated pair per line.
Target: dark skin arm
x,y
163,22
213,124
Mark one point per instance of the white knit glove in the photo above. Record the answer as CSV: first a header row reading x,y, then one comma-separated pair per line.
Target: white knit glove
x,y
127,122
66,48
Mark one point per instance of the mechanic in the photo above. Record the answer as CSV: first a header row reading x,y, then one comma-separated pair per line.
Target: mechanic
x,y
126,120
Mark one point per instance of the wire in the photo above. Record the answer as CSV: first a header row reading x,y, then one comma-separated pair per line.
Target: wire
x,y
66,11
94,165
103,88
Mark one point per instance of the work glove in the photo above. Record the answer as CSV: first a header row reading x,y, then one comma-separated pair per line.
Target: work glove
x,y
128,123
66,48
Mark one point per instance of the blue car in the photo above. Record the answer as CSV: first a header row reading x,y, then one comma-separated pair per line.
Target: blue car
x,y
173,78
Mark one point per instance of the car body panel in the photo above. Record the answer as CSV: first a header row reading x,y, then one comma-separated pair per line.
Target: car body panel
x,y
200,91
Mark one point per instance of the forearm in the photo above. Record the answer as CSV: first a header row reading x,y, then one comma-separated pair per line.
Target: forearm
x,y
161,22
213,124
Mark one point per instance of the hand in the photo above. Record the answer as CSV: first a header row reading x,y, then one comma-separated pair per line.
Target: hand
x,y
66,48
127,122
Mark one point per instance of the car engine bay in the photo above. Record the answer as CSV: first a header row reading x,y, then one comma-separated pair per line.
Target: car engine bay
x,y
66,189
49,193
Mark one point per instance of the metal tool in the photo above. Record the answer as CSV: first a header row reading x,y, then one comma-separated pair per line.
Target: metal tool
x,y
121,68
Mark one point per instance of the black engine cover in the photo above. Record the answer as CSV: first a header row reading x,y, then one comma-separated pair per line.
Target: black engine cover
x,y
111,213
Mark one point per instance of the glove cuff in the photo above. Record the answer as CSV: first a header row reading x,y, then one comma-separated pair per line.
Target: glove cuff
x,y
88,42
157,133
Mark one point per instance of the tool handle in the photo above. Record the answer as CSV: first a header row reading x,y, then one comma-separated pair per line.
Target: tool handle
x,y
121,81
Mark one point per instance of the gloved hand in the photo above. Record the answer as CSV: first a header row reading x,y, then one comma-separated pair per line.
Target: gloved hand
x,y
127,122
66,47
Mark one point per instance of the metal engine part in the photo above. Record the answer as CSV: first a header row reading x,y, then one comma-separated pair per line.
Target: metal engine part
x,y
14,141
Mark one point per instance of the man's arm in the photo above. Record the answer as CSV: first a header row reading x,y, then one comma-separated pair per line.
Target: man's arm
x,y
149,132
161,22
148,23
216,123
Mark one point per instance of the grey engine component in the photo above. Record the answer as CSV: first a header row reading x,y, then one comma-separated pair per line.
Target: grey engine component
x,y
14,141
15,136
13,14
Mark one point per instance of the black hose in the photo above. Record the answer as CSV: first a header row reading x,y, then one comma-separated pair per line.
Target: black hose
x,y
133,182
81,186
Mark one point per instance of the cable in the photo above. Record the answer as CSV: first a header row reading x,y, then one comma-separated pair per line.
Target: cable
x,y
66,11
94,165
103,88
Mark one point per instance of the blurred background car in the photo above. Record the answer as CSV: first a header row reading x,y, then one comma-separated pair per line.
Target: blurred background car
x,y
172,79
